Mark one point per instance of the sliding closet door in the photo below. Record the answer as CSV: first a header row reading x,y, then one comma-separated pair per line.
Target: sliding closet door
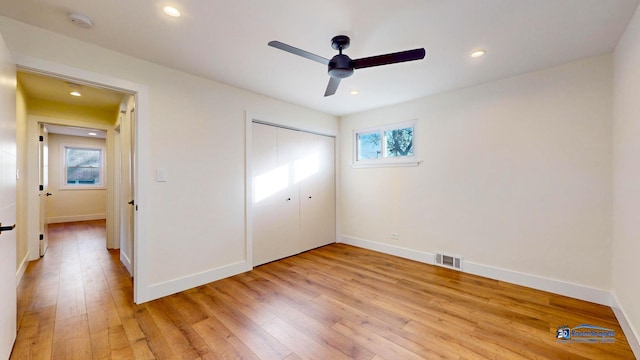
x,y
317,191
288,200
293,192
267,179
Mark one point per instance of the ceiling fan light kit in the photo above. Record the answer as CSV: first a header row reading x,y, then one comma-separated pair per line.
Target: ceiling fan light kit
x,y
342,66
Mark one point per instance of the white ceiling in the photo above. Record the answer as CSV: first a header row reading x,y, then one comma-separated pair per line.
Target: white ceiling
x,y
75,131
227,40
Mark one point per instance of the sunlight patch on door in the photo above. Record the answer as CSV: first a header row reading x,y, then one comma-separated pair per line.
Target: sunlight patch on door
x,y
270,183
306,167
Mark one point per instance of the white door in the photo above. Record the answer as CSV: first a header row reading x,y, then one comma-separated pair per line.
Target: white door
x,y
293,192
317,191
127,171
268,181
7,201
288,201
132,193
43,168
276,199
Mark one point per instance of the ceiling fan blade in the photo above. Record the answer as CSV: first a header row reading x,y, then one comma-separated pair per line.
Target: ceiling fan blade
x,y
402,56
332,86
299,52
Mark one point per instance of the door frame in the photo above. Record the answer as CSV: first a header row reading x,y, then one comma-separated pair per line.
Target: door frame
x,y
141,94
294,124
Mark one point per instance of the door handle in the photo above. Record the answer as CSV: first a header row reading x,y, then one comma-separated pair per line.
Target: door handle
x,y
7,228
131,202
48,194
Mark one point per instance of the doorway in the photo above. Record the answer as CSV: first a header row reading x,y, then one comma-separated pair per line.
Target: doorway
x,y
73,127
140,94
73,177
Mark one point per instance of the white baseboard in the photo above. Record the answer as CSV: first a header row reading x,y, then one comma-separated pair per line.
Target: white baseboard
x,y
126,261
410,254
74,218
555,286
166,288
632,336
22,268
533,281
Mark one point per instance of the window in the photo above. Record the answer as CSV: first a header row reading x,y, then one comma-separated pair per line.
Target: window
x,y
83,167
389,145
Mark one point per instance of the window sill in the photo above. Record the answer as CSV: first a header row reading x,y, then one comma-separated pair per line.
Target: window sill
x,y
80,187
385,164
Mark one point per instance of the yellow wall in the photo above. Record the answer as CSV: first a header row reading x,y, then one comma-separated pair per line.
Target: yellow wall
x,y
84,116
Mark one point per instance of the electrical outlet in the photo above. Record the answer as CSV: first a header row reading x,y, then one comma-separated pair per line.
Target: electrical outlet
x,y
395,236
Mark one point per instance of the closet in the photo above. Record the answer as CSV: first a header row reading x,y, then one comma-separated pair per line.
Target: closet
x,y
293,189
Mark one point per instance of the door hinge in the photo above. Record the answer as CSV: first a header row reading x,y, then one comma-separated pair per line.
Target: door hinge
x,y
41,237
40,138
41,187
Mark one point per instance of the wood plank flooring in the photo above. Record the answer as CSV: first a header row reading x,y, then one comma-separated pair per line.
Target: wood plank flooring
x,y
335,302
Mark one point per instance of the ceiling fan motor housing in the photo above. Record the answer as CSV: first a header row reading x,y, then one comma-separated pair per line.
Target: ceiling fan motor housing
x,y
340,66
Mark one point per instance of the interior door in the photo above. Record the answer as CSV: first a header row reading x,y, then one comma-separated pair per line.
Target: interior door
x,y
7,201
43,168
132,188
127,146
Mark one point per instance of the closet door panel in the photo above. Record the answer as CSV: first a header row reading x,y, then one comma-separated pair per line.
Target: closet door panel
x,y
288,200
327,190
293,192
266,181
310,226
317,192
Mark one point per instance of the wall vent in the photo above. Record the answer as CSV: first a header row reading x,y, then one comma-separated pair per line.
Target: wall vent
x,y
449,261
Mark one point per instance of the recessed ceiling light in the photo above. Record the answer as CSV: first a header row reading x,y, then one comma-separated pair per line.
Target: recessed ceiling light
x,y
478,53
171,11
75,93
354,92
93,134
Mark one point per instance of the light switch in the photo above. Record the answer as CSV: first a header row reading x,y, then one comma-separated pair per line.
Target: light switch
x,y
161,175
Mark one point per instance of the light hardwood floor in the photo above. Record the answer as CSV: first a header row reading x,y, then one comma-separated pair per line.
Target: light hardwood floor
x,y
335,302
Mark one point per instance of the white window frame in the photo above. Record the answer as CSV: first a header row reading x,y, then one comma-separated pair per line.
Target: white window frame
x,y
383,161
63,167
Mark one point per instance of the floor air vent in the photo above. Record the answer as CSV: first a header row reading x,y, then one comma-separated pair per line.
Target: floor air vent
x,y
449,261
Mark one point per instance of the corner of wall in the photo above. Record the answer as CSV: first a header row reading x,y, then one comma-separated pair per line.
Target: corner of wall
x,y
632,337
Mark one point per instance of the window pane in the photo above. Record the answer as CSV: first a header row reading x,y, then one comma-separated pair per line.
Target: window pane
x,y
83,157
399,142
369,146
83,166
83,176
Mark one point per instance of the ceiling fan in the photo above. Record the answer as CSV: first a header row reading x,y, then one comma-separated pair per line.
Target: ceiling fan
x,y
341,65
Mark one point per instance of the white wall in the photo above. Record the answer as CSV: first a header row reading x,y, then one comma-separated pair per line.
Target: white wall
x,y
626,175
193,224
73,205
516,174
